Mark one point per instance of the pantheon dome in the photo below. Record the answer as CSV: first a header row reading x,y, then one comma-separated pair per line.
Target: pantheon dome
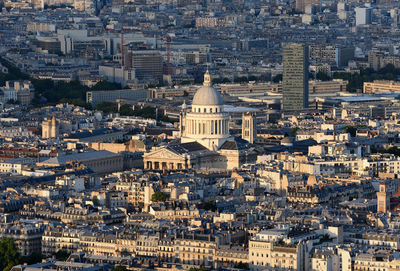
x,y
207,123
207,94
205,142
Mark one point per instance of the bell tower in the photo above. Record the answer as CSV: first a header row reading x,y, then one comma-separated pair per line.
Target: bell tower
x,y
383,198
249,127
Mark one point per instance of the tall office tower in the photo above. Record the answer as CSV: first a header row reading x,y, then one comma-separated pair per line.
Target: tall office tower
x,y
302,4
249,127
295,77
363,16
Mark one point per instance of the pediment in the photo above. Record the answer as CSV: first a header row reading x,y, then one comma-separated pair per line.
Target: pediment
x,y
162,153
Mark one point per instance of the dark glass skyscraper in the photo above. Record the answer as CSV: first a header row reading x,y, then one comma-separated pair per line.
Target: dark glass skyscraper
x,y
295,77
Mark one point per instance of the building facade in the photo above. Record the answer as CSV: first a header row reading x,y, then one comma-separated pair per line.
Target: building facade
x,y
295,77
50,128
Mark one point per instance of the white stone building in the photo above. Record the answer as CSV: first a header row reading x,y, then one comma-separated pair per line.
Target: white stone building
x,y
205,141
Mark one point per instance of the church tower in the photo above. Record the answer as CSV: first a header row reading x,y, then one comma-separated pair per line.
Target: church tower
x,y
50,128
383,198
249,127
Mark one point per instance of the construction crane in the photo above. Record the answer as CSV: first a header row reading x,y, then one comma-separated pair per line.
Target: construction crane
x,y
168,54
122,47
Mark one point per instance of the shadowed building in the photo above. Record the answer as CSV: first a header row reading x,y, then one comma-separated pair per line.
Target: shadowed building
x,y
295,77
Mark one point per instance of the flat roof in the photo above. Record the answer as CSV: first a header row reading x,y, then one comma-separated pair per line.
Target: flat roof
x,y
80,157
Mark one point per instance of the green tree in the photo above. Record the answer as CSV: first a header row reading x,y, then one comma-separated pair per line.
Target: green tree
x,y
325,238
145,112
185,82
322,76
77,102
356,80
165,118
241,265
120,268
59,53
105,85
96,201
392,150
9,255
35,257
159,197
351,130
294,130
241,79
253,78
198,269
12,101
62,255
277,78
210,206
107,107
126,110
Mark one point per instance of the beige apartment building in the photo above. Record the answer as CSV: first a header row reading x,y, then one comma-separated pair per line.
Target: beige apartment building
x,y
226,255
172,211
196,249
147,245
380,261
139,193
381,86
166,249
27,237
264,255
60,238
107,244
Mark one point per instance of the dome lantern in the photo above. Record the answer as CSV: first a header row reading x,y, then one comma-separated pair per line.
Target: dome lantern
x,y
207,95
207,79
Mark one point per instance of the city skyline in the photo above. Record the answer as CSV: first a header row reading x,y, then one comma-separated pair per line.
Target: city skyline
x,y
201,135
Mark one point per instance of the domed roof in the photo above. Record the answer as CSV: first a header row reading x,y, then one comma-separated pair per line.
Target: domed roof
x,y
207,95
